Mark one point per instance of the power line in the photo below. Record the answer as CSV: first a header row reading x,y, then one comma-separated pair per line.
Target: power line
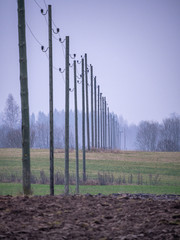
x,y
57,69
52,19
37,4
33,35
39,44
52,22
45,4
63,48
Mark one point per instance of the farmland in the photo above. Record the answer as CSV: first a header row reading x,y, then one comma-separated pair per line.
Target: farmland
x,y
121,171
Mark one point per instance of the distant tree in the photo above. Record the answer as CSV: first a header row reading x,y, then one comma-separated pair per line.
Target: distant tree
x,y
14,138
58,137
170,134
147,136
10,130
3,136
42,131
11,116
166,145
1,118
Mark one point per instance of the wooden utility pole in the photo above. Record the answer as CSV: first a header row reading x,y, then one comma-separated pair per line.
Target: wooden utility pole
x,y
83,124
105,125
51,146
108,130
111,131
95,112
67,119
76,130
87,103
98,119
103,113
101,120
26,171
112,127
112,136
92,122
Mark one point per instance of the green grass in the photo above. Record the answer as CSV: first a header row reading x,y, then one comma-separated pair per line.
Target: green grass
x,y
39,189
164,164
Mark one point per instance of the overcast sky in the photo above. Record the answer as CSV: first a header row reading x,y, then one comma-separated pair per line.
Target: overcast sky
x,y
133,45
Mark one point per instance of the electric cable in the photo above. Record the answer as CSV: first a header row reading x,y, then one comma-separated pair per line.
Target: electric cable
x,y
37,4
33,35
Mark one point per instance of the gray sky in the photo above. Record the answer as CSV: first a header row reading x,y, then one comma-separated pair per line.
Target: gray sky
x,y
133,45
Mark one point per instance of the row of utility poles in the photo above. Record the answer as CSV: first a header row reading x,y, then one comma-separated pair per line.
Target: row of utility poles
x,y
105,128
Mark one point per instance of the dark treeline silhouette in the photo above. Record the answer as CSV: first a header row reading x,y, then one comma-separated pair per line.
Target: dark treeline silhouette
x,y
147,136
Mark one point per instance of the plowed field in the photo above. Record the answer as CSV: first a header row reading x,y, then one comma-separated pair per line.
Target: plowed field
x,y
89,217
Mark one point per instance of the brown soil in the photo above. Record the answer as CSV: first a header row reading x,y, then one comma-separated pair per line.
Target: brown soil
x,y
89,217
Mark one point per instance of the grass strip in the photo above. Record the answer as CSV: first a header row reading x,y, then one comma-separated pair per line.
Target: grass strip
x,y
15,189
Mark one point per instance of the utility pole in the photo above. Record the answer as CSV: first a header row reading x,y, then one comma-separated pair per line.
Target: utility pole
x,y
76,129
112,131
115,133
83,125
101,120
51,146
98,119
108,130
26,171
105,123
95,112
87,104
92,124
67,119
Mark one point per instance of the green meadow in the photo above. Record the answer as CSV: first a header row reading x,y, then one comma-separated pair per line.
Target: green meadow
x,y
137,172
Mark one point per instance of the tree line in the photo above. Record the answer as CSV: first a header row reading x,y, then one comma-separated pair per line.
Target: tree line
x,y
147,136
152,136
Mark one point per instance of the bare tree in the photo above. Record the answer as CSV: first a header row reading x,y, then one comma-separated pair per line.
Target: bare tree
x,y
58,137
14,138
41,131
170,134
11,116
147,136
11,131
